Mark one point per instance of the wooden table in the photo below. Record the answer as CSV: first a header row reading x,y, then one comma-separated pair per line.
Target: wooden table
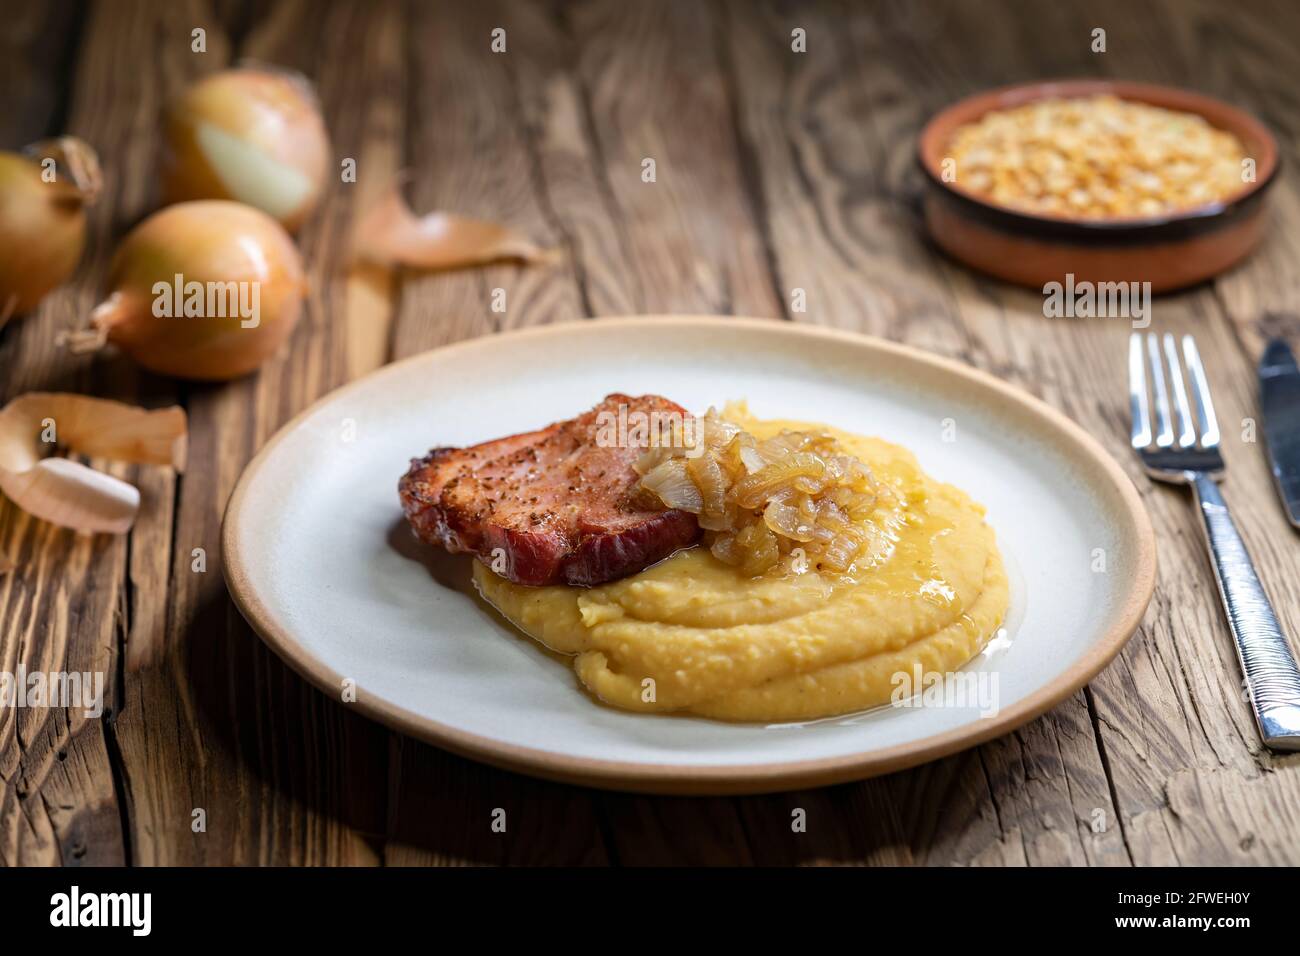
x,y
775,170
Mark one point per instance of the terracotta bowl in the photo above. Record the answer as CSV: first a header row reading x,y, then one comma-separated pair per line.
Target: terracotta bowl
x,y
1169,251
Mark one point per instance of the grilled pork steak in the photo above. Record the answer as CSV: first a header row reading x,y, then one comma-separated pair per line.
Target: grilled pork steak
x,y
561,506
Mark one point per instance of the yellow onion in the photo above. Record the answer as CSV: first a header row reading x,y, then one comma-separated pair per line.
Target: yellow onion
x,y
251,134
43,222
201,290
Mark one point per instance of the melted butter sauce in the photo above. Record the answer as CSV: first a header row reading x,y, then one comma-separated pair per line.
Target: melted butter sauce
x,y
996,648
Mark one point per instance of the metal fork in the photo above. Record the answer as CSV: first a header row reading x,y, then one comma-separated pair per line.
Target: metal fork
x,y
1176,451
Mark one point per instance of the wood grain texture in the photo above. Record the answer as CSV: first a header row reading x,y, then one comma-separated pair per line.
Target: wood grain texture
x,y
785,187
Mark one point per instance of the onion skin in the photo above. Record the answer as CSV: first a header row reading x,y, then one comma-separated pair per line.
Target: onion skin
x,y
203,242
42,230
251,135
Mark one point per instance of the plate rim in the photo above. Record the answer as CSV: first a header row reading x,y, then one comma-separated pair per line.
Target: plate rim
x,y
667,778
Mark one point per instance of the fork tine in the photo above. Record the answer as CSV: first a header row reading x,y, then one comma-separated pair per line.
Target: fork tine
x,y
1164,427
1201,394
1139,409
1186,428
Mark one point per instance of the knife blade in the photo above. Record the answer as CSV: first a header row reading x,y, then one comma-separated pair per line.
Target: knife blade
x,y
1279,395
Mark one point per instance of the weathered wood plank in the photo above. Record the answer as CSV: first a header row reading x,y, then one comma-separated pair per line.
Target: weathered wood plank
x,y
572,185
448,811
35,35
37,63
282,773
466,153
775,171
654,92
1210,793
1170,709
66,607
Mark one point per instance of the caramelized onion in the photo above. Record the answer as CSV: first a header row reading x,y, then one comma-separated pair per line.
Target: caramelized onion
x,y
673,486
707,476
760,500
786,521
758,549
752,490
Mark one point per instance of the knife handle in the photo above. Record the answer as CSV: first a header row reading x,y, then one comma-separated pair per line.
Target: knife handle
x,y
1272,677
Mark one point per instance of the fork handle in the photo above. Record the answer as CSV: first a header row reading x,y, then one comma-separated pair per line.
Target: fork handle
x,y
1266,659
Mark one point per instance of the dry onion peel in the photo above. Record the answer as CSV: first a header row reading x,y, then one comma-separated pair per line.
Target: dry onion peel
x,y
389,233
43,218
69,493
77,173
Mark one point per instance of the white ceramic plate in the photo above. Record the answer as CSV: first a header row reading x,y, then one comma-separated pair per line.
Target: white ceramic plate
x,y
319,559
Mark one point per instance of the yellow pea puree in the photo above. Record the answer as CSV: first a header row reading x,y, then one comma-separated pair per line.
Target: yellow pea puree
x,y
695,635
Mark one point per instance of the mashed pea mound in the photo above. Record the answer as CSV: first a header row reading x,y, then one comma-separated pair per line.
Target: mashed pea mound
x,y
694,634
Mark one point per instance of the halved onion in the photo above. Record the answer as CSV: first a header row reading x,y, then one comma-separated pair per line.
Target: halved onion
x,y
69,493
252,134
43,222
201,290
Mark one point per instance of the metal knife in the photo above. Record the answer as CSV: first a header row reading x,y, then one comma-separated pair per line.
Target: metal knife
x,y
1279,395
